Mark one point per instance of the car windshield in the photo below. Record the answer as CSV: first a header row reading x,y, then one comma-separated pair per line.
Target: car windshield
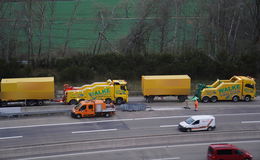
x,y
78,106
189,120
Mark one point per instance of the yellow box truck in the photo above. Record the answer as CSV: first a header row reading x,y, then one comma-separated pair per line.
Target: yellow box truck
x,y
235,89
166,85
32,91
110,91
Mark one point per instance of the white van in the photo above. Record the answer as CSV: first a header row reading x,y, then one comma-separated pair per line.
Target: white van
x,y
198,123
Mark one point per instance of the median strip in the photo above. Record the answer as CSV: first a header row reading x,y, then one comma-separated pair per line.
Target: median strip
x,y
91,131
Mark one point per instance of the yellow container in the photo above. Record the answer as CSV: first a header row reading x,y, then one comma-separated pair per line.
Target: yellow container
x,y
166,85
15,89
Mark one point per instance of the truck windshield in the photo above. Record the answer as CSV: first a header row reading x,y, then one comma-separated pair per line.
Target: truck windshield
x,y
123,87
189,120
78,106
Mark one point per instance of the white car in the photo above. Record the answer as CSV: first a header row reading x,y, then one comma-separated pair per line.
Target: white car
x,y
198,123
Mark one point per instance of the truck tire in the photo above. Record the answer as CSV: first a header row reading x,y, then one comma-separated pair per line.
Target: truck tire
x,y
107,115
78,116
205,99
150,99
30,103
119,101
235,99
73,102
214,99
247,98
182,98
108,101
40,103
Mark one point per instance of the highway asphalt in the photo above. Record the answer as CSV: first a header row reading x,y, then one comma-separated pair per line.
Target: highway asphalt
x,y
148,135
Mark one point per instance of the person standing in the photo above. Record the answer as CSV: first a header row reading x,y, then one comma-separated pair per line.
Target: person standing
x,y
196,104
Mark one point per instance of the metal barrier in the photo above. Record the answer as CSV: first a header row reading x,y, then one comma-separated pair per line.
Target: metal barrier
x,y
132,107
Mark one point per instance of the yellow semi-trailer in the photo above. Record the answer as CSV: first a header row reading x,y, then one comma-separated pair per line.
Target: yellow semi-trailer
x,y
32,91
166,85
235,89
110,91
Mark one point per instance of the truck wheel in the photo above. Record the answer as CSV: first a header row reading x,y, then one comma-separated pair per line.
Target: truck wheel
x,y
214,99
73,102
30,103
108,101
119,101
205,99
107,114
78,116
150,99
248,98
182,98
235,99
40,103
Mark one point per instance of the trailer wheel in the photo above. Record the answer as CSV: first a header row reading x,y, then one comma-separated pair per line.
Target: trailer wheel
x,y
248,98
40,103
205,99
119,101
150,99
107,114
73,102
182,98
235,99
78,116
214,99
30,103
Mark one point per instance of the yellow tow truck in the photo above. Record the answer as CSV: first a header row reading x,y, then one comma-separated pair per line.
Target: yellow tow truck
x,y
111,91
235,89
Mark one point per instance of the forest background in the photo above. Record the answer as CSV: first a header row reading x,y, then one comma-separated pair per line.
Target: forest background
x,y
82,41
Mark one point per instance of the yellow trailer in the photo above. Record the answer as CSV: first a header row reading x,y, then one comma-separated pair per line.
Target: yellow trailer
x,y
109,91
33,91
235,89
166,85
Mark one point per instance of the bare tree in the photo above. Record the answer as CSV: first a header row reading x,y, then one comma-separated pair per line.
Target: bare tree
x,y
51,5
40,19
69,27
105,22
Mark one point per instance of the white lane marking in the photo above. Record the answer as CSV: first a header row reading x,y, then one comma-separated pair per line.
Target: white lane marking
x,y
101,130
118,120
168,126
250,121
63,124
11,137
167,158
136,149
166,109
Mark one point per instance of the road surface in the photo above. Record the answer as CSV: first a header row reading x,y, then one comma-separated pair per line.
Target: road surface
x,y
145,135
